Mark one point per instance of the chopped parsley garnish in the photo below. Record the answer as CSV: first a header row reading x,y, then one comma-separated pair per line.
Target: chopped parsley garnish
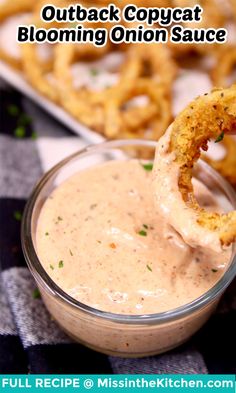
x,y
34,136
149,268
13,110
145,226
60,264
17,215
94,72
36,294
142,233
214,270
24,119
46,234
71,253
148,167
52,267
220,137
20,132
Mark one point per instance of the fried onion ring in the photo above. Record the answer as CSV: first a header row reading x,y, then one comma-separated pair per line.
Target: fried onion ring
x,y
10,50
122,119
212,17
208,117
153,61
227,165
78,102
226,61
37,70
233,6
9,8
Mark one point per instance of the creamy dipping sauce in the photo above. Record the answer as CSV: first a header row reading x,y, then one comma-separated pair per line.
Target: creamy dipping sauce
x,y
102,240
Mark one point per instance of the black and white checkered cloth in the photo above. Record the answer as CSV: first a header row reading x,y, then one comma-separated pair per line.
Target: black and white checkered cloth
x,y
30,341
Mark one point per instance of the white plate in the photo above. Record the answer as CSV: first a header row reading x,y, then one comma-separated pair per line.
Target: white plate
x,y
15,79
188,85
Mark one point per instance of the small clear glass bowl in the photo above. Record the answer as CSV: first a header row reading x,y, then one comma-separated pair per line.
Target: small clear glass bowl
x,y
116,334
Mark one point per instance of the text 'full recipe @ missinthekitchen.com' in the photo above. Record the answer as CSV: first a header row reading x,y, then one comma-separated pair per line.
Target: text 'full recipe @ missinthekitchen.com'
x,y
83,383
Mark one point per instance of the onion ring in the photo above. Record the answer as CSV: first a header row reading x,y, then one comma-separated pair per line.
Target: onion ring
x,y
227,165
10,50
120,119
78,102
205,118
212,17
153,60
37,70
233,7
226,61
9,8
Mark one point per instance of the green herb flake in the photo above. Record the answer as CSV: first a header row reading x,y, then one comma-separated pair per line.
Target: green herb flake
x,y
220,137
60,264
149,268
17,215
24,119
94,72
214,270
145,226
52,267
34,136
36,294
46,234
142,233
71,253
148,167
20,132
13,110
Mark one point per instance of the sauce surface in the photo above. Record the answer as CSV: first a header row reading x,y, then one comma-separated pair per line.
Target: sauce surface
x,y
102,240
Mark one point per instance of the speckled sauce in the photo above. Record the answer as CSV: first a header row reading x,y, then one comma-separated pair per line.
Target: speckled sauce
x,y
102,240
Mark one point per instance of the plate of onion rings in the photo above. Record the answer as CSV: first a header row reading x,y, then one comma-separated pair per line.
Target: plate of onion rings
x,y
119,91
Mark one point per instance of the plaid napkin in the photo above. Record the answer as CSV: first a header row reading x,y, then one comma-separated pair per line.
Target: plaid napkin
x,y
30,341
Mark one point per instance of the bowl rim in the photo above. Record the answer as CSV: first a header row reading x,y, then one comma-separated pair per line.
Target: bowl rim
x,y
43,278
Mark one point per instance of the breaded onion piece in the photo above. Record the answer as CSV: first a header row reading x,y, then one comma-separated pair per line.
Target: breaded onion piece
x,y
212,17
10,7
226,61
35,67
208,117
37,71
122,119
153,60
227,165
10,50
233,6
79,103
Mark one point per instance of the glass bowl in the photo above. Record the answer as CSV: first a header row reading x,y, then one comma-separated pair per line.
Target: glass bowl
x,y
116,334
